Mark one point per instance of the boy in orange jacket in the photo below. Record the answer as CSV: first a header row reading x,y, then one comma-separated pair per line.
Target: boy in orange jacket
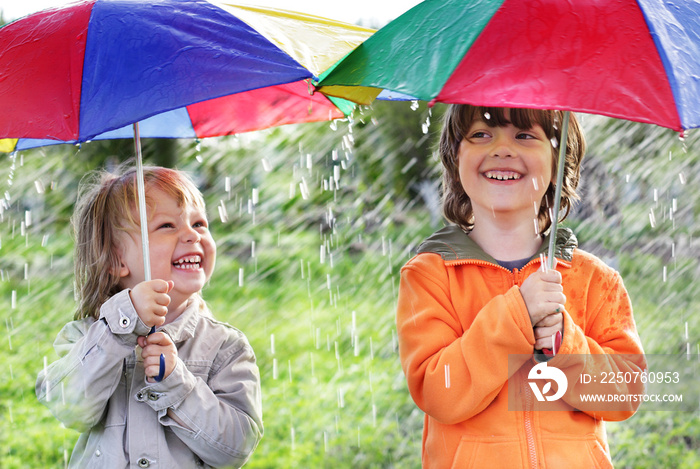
x,y
475,303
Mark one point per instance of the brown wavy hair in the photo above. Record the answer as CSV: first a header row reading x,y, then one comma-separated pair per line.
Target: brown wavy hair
x,y
108,204
457,206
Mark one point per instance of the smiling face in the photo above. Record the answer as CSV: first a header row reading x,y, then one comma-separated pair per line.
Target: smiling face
x,y
181,248
504,169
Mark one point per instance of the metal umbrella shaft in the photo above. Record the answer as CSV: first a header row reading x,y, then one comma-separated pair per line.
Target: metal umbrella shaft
x,y
141,189
557,191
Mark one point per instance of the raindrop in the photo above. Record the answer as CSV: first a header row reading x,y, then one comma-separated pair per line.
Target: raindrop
x,y
304,188
267,167
487,116
44,241
652,218
555,142
414,105
223,214
39,187
14,299
409,165
447,376
256,196
274,369
664,274
309,162
252,249
334,125
681,177
341,398
240,277
336,174
293,438
272,344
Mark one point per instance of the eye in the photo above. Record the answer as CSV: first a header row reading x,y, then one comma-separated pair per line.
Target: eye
x,y
477,134
166,225
200,224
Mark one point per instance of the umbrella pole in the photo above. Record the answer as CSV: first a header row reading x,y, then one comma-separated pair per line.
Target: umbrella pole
x,y
557,190
142,204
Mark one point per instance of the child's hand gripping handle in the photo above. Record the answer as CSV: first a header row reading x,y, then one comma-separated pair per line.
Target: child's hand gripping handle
x,y
161,369
544,298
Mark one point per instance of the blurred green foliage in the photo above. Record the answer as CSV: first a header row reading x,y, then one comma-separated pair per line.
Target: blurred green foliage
x,y
313,223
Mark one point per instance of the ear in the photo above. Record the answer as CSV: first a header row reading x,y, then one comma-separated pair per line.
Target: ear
x,y
123,269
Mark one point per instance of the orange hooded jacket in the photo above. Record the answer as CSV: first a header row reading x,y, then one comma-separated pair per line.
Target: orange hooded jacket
x,y
461,316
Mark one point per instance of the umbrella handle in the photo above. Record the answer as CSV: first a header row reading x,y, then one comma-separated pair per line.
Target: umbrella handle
x,y
161,370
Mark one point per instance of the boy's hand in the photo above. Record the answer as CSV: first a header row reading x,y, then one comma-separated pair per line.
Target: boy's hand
x,y
543,295
153,346
151,301
546,329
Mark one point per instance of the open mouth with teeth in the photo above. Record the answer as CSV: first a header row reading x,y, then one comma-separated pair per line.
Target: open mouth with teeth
x,y
503,175
188,263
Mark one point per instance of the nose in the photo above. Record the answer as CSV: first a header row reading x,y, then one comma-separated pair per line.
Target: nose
x,y
502,147
191,236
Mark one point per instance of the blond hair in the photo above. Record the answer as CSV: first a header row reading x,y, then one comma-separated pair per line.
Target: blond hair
x,y
108,204
459,118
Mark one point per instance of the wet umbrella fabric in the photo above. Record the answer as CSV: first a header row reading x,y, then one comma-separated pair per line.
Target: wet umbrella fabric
x,y
630,59
90,69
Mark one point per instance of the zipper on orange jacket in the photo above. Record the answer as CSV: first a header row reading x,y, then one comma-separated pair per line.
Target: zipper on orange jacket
x,y
529,433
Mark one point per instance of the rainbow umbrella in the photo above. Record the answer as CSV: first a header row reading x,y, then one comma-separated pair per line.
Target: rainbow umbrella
x,y
631,59
182,68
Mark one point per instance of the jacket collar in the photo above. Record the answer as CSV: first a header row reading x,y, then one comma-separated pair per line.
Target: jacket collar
x,y
453,244
183,328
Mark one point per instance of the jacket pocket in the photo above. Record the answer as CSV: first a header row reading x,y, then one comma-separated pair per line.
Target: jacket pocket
x,y
574,451
491,453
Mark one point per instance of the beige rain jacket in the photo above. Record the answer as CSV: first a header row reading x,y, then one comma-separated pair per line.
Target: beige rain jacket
x,y
98,387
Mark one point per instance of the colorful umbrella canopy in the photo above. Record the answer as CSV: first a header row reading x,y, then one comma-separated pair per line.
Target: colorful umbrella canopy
x,y
630,59
90,69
